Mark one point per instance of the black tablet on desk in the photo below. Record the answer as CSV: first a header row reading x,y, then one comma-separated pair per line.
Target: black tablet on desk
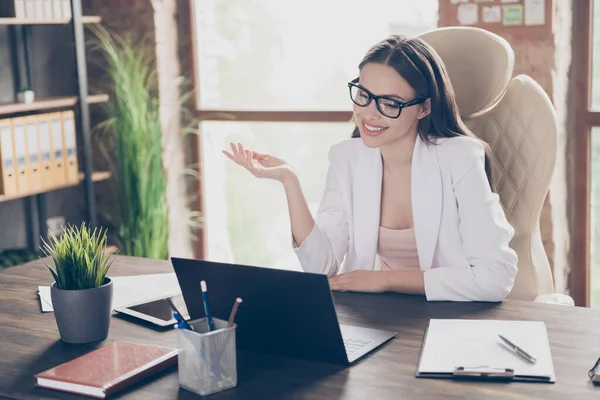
x,y
157,311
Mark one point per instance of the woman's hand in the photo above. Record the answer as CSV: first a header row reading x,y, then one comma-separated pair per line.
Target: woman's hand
x,y
360,281
259,165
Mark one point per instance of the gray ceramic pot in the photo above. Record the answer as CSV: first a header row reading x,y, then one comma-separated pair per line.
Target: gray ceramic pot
x,y
83,316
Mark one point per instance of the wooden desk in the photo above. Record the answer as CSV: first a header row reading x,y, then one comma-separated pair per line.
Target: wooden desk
x,y
29,343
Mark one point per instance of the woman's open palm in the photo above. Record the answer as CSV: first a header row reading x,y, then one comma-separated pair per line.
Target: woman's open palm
x,y
259,165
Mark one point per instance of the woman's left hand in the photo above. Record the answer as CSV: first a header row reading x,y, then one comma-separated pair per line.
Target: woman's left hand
x,y
360,281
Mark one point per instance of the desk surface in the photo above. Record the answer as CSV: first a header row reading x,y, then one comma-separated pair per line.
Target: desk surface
x,y
29,343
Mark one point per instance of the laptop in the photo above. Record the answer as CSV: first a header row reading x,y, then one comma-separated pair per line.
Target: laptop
x,y
286,313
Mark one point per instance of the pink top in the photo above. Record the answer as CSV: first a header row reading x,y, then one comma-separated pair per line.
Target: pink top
x,y
397,249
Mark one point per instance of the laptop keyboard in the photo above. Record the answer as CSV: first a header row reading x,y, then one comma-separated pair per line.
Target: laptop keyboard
x,y
354,344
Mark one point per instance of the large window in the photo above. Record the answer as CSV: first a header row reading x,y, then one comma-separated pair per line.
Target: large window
x,y
272,75
586,61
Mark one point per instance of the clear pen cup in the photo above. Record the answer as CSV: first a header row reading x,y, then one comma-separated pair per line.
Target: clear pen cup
x,y
207,361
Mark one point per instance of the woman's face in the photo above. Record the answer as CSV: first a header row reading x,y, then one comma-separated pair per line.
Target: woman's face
x,y
375,128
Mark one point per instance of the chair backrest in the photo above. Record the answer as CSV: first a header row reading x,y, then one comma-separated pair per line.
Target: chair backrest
x,y
516,118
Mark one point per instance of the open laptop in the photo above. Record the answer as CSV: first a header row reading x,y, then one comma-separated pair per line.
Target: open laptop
x,y
287,313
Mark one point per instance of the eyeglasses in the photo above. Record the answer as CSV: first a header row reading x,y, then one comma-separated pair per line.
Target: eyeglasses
x,y
594,369
387,106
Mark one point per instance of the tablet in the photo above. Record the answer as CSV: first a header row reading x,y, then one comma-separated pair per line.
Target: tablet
x,y
156,311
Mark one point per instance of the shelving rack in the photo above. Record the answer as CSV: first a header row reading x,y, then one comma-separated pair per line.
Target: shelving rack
x,y
36,199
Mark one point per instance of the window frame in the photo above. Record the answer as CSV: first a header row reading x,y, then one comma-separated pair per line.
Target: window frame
x,y
585,119
189,65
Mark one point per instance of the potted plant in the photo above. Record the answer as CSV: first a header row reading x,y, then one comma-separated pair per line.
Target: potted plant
x,y
81,292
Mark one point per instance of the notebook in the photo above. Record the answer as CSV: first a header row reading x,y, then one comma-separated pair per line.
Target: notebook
x,y
454,348
108,370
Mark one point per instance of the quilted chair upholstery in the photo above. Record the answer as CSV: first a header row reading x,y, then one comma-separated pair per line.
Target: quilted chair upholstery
x,y
516,118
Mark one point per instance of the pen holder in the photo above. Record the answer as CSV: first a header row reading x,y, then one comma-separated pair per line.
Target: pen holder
x,y
207,362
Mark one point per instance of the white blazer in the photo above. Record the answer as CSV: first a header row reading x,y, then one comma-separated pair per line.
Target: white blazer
x,y
461,231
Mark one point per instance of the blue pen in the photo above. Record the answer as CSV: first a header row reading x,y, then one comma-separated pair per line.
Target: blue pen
x,y
211,326
181,322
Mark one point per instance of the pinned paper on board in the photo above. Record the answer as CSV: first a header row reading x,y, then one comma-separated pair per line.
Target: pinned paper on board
x,y
510,1
467,14
492,14
535,12
458,1
484,1
513,15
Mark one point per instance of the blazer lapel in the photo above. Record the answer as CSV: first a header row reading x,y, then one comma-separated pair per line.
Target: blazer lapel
x,y
426,199
366,192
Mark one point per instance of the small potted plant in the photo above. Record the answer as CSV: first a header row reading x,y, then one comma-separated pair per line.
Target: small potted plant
x,y
81,292
25,95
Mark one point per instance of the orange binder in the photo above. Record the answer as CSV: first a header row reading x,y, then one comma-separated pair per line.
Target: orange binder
x,y
8,170
20,145
46,173
33,153
57,155
70,146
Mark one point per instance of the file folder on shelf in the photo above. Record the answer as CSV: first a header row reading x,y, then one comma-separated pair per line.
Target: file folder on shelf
x,y
21,154
66,9
57,9
46,172
8,170
33,153
70,146
57,155
48,14
30,9
455,349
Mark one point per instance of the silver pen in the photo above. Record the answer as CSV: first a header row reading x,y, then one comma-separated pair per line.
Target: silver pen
x,y
518,350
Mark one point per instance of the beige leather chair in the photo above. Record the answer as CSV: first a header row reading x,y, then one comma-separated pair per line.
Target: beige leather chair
x,y
517,119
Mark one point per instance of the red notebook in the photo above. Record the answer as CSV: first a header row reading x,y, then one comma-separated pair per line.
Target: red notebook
x,y
109,369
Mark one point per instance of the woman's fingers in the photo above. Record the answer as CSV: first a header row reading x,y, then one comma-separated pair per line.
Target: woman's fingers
x,y
229,155
246,158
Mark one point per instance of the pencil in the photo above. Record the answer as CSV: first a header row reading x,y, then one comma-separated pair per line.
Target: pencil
x,y
233,312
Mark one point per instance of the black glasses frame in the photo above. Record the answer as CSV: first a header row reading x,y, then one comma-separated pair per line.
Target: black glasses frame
x,y
594,369
401,104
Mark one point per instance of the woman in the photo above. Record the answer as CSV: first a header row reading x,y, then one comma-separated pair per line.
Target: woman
x,y
407,207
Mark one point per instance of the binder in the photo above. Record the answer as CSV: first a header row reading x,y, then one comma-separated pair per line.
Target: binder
x,y
57,155
20,154
39,10
46,173
33,153
66,10
8,170
472,349
57,9
70,146
30,9
20,9
48,13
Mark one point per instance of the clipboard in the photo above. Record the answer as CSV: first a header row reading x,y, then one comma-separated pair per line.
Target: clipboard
x,y
469,349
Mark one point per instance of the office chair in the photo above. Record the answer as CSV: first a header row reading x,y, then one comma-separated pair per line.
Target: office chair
x,y
517,119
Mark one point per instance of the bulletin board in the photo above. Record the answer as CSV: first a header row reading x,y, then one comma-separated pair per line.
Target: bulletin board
x,y
507,15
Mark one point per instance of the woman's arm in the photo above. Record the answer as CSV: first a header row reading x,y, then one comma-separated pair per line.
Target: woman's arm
x,y
401,281
320,245
301,220
485,234
322,248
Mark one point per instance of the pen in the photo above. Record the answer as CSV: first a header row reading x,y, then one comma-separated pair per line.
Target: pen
x,y
179,317
518,350
211,326
233,312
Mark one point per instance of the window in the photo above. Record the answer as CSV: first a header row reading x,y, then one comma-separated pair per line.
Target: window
x,y
586,251
273,75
